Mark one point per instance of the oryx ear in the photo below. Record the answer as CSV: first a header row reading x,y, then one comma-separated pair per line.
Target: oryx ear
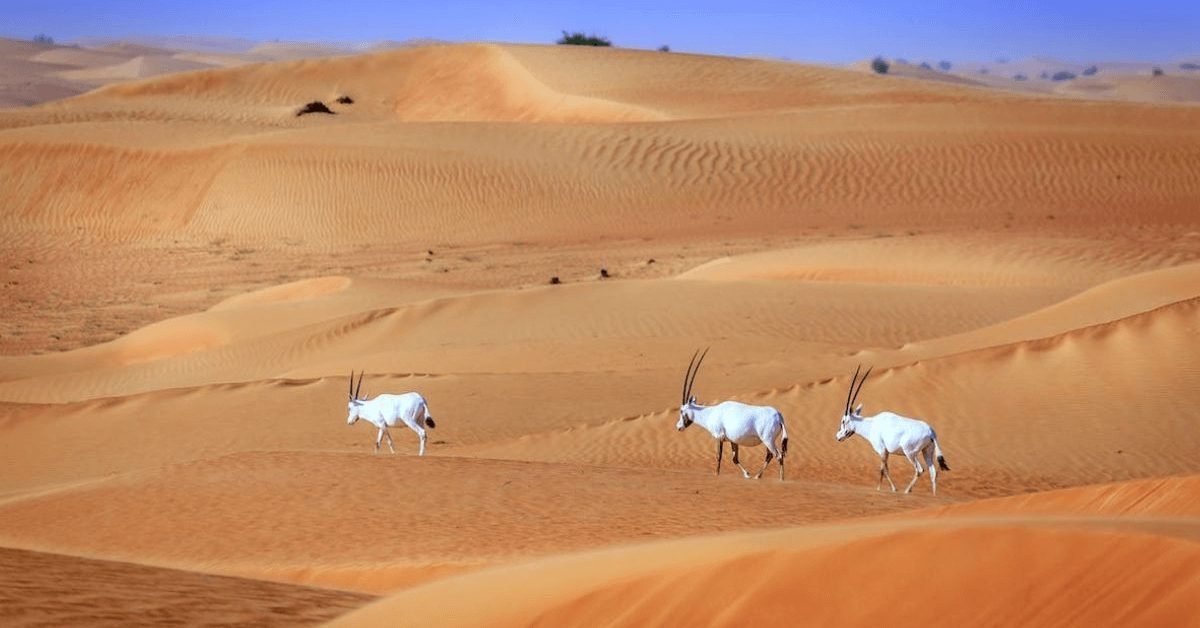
x,y
858,410
692,400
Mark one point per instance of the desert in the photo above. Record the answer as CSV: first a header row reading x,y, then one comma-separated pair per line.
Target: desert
x,y
192,271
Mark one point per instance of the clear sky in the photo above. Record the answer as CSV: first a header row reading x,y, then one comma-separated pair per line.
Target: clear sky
x,y
800,30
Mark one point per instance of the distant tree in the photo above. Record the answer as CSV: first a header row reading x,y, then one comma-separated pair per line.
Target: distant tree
x,y
925,65
1062,76
664,48
1189,66
43,39
879,65
1091,70
1020,77
580,39
1157,72
944,66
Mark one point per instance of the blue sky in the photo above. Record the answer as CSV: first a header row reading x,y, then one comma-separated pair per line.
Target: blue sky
x,y
796,29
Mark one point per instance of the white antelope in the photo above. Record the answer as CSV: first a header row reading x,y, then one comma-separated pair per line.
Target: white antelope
x,y
740,424
890,433
387,411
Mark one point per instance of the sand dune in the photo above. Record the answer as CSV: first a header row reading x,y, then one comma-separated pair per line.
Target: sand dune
x,y
25,80
1043,575
1176,88
191,271
48,589
1045,572
141,66
502,510
805,155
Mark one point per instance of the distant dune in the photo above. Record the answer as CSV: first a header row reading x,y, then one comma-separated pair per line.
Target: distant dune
x,y
536,238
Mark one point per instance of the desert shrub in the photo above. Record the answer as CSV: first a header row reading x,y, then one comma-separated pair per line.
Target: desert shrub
x,y
43,39
315,106
1189,66
1157,72
345,100
879,65
944,66
984,70
664,48
1020,77
1091,70
580,39
1062,76
925,65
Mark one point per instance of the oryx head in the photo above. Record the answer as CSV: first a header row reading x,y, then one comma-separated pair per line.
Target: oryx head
x,y
356,401
848,415
687,404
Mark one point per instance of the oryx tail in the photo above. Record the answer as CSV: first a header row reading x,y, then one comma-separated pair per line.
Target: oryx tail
x,y
937,451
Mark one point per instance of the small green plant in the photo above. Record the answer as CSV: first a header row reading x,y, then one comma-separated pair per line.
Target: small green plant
x,y
580,39
879,65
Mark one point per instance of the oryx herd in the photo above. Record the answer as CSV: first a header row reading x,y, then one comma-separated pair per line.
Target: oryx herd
x,y
742,425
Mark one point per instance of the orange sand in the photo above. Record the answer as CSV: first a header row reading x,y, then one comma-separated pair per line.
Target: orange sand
x,y
191,271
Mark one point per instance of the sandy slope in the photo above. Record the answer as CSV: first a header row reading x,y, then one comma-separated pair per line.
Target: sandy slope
x,y
191,271
1114,569
48,589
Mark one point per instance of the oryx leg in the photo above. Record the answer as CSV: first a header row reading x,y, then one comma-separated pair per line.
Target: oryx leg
x,y
391,445
884,473
928,451
917,470
770,455
378,439
421,433
737,461
781,457
720,453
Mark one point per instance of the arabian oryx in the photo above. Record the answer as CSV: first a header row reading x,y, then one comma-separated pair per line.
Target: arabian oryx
x,y
738,423
890,433
387,411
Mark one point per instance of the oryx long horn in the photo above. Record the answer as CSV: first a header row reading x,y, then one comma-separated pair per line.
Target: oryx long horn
x,y
859,389
686,375
850,391
351,391
695,372
360,379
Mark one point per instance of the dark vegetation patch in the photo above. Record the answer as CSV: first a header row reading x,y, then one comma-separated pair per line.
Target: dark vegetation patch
x,y
315,106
